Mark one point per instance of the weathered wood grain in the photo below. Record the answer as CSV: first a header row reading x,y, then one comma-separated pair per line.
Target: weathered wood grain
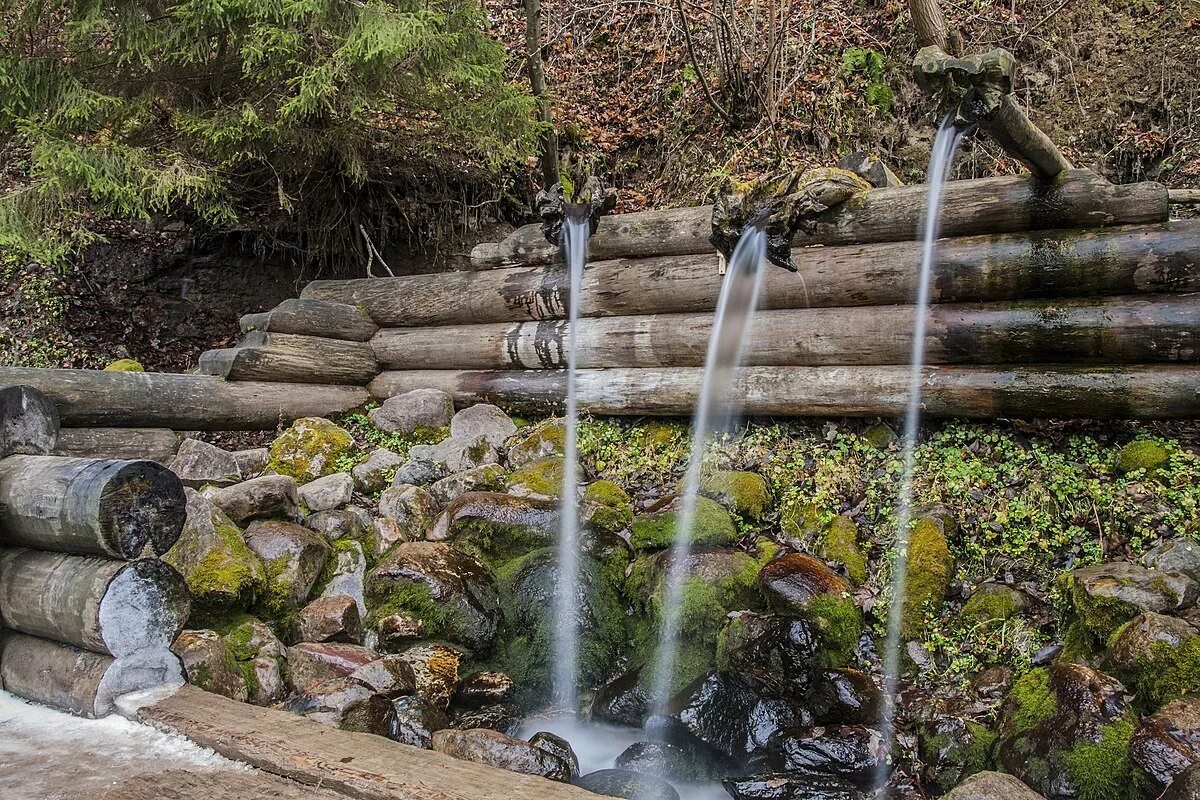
x,y
28,422
1125,330
154,444
178,784
1054,263
289,358
87,398
1076,199
313,318
357,765
1133,392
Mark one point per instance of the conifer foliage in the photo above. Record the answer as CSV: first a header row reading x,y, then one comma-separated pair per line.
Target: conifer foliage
x,y
292,120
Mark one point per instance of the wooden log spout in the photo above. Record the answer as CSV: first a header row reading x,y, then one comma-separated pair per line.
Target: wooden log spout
x,y
91,506
1123,330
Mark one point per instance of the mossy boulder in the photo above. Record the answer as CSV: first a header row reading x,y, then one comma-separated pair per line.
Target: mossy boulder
x,y
930,571
537,442
802,524
606,507
310,448
221,572
208,664
880,435
994,602
260,656
1106,596
743,493
804,586
953,748
711,525
542,479
125,365
294,558
839,544
1143,455
1158,656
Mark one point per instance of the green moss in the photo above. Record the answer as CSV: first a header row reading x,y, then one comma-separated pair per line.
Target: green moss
x,y
803,522
546,438
228,574
414,599
711,526
1031,701
1143,455
1167,673
880,436
978,756
613,508
839,543
1103,770
1100,614
744,493
542,478
985,606
662,434
125,365
309,449
202,677
497,543
1079,645
930,569
839,625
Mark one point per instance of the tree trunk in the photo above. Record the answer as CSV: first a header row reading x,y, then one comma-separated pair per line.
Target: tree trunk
x,y
288,358
548,140
1140,392
118,608
1091,331
1062,263
91,506
87,398
312,318
28,422
153,444
930,23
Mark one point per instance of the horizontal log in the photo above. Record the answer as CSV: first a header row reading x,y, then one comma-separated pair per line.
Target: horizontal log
x,y
1184,197
75,680
1137,392
154,444
28,422
1059,263
87,398
117,608
90,506
1125,330
313,318
288,358
1076,199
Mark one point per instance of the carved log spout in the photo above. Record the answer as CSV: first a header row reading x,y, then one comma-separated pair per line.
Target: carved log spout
x,y
782,206
592,201
979,89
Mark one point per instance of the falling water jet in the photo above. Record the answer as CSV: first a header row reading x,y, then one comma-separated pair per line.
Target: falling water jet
x,y
945,147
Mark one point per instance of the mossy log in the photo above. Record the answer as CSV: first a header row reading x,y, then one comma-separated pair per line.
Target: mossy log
x,y
79,681
91,506
117,608
313,318
1056,263
1075,199
87,398
1135,392
1123,330
289,358
28,422
154,444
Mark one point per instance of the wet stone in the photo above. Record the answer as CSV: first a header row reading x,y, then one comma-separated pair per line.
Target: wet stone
x,y
1106,595
849,752
330,619
622,701
992,682
484,688
557,745
845,697
312,662
209,665
623,783
727,714
794,581
503,717
778,652
388,675
784,786
293,556
346,704
1167,743
399,629
417,720
412,508
1185,787
495,749
435,670
666,760
1176,555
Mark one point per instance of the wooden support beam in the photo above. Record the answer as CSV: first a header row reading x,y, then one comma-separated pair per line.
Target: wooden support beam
x,y
312,318
87,398
1135,392
154,444
289,358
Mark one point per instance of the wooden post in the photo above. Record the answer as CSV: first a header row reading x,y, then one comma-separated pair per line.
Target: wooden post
x,y
289,358
312,318
28,422
154,444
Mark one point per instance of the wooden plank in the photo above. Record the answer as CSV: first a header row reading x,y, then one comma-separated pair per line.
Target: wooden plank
x,y
1135,392
357,765
1123,330
313,318
976,269
154,444
179,784
87,398
290,358
1076,199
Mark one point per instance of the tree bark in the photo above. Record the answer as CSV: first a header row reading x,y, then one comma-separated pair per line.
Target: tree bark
x,y
930,23
1091,331
289,358
548,140
90,506
28,422
117,608
312,318
1077,199
95,398
153,444
1061,263
1138,392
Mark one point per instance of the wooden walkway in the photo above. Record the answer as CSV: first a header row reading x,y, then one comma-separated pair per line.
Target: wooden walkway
x,y
178,784
354,765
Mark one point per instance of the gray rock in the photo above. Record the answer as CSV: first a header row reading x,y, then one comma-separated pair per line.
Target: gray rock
x,y
1185,787
420,408
338,525
557,745
333,618
489,477
1177,555
483,420
199,463
417,721
209,665
251,462
211,555
294,557
1166,744
495,749
411,507
259,498
992,786
533,444
327,493
1125,590
435,672
623,783
390,675
346,704
348,573
373,474
456,454
314,662
418,473
484,688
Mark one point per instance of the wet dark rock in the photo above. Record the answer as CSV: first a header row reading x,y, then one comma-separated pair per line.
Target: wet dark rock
x,y
778,652
993,786
850,752
259,498
397,631
451,592
346,704
388,675
952,747
666,760
495,749
1135,645
794,581
631,785
1185,787
330,619
503,717
1166,744
484,688
845,697
992,682
495,508
1104,596
622,701
1177,555
727,713
294,557
784,786
312,662
435,671
417,720
557,745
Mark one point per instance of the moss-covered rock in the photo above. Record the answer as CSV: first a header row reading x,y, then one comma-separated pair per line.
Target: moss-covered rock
x,y
310,448
125,365
220,570
1143,455
1030,702
294,558
930,570
606,507
744,493
839,544
711,525
541,479
802,524
880,435
993,602
1106,596
1103,770
539,441
1158,656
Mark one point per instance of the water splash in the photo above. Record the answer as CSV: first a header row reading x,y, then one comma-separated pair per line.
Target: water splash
x,y
735,312
565,670
945,146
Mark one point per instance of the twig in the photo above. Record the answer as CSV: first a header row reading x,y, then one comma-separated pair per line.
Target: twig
x,y
373,253
708,95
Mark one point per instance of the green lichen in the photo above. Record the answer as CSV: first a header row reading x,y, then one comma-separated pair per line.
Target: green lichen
x,y
711,526
1143,455
839,625
125,365
930,570
613,509
839,544
1030,701
228,574
1103,770
542,478
743,493
309,449
274,604
201,677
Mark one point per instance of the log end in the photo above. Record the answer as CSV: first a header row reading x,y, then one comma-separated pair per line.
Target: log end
x,y
143,609
142,506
